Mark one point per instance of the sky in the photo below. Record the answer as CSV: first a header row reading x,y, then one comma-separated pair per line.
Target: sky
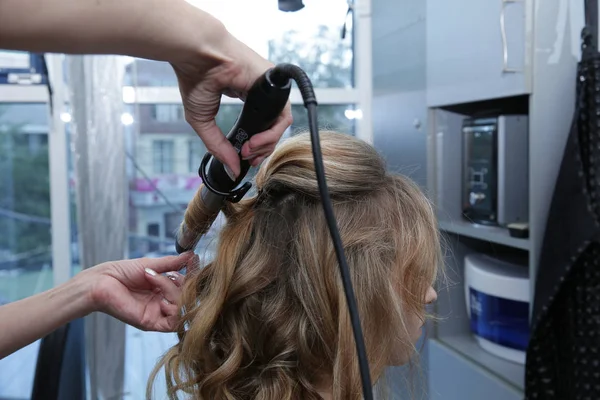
x,y
255,22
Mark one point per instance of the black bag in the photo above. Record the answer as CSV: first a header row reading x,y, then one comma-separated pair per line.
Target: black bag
x,y
563,356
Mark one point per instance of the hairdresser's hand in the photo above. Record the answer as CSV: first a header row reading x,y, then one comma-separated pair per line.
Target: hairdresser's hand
x,y
136,292
202,83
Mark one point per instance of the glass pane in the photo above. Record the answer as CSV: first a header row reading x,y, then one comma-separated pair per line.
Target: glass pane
x,y
165,154
310,38
25,235
160,185
338,117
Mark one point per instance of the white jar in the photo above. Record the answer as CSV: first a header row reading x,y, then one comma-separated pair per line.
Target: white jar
x,y
497,296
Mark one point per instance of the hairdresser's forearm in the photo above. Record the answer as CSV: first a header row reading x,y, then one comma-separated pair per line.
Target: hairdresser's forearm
x,y
27,320
166,30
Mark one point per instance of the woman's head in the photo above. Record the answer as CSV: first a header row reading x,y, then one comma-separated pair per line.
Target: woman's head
x,y
267,319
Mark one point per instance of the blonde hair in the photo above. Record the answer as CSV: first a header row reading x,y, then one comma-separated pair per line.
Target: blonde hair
x,y
267,319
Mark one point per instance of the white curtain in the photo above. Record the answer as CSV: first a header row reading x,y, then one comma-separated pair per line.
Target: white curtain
x,y
98,149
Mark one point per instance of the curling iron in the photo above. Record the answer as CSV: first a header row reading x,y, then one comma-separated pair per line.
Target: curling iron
x,y
264,103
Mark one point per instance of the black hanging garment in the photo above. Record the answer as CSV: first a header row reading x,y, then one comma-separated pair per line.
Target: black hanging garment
x,y
563,357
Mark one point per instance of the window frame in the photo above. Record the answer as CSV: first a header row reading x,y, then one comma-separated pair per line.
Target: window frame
x,y
360,96
60,199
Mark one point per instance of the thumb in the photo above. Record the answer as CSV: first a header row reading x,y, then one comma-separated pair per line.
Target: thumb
x,y
218,145
168,263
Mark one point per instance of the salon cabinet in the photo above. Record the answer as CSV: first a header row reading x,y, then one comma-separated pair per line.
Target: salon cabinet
x,y
436,62
477,50
482,57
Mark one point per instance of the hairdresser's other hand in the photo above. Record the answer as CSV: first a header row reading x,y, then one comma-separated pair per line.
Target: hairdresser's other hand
x,y
136,292
231,69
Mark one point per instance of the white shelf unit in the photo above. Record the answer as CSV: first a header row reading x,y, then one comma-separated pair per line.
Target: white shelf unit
x,y
538,83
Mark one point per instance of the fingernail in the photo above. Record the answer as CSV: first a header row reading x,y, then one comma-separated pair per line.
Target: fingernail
x,y
167,302
150,272
171,276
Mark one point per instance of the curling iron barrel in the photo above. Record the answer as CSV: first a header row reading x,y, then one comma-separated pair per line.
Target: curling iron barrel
x,y
263,105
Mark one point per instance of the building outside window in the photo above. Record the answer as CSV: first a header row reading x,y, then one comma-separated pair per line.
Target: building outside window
x,y
167,112
163,153
196,151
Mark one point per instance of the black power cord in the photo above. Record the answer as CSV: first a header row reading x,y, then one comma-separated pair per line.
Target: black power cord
x,y
280,76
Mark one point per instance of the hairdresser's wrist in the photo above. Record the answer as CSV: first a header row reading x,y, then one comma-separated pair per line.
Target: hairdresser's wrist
x,y
231,64
204,40
83,286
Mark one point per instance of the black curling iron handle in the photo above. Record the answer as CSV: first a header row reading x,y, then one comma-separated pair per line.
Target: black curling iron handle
x,y
263,105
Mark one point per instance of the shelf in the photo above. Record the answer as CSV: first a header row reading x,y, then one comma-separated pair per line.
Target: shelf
x,y
489,233
465,345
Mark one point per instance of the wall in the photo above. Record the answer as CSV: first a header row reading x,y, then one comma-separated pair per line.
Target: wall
x,y
399,122
399,108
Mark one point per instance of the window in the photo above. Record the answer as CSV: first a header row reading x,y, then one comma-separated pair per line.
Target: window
x,y
162,151
24,202
153,231
172,220
25,236
167,112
